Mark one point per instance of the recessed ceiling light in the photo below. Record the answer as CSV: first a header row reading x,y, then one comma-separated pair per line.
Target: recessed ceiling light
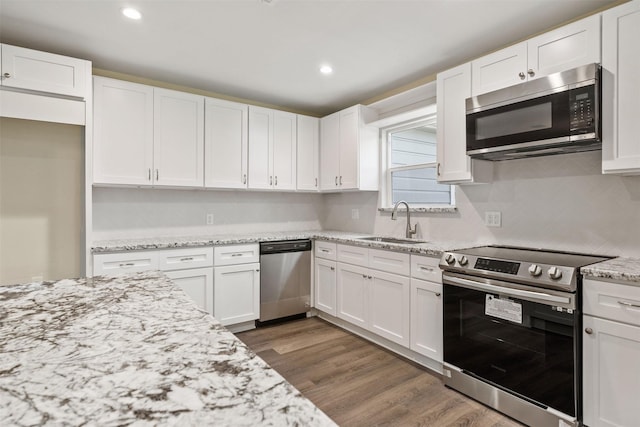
x,y
131,13
326,69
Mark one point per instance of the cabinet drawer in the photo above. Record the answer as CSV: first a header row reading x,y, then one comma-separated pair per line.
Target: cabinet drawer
x,y
180,259
353,255
326,250
612,301
392,262
426,268
236,254
126,262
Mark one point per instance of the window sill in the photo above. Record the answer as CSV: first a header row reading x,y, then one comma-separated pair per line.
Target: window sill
x,y
425,209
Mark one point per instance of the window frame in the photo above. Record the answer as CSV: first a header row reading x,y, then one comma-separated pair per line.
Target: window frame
x,y
386,199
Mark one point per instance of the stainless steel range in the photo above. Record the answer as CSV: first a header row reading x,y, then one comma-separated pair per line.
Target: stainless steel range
x,y
512,321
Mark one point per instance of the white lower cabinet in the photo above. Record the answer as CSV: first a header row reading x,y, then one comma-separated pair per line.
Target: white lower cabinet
x,y
611,351
197,283
325,285
236,296
426,318
352,286
236,285
389,297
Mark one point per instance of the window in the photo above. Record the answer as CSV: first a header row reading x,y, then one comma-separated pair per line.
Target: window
x,y
411,166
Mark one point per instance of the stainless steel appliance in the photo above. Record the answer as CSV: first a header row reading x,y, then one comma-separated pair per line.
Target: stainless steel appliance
x,y
512,338
556,114
285,278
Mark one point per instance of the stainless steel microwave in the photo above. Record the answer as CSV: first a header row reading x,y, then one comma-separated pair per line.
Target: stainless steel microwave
x,y
555,114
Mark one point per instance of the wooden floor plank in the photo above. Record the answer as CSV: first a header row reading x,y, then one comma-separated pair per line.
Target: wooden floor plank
x,y
358,383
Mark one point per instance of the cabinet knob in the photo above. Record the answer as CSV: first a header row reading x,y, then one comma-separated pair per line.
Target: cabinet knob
x,y
531,72
438,169
589,331
316,182
333,268
270,180
244,178
157,174
336,180
6,75
340,179
438,294
276,180
521,75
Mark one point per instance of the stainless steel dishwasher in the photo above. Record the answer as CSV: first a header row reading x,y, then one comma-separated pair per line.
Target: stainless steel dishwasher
x,y
285,278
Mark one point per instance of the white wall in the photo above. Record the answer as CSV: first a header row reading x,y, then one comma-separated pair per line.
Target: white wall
x,y
41,200
133,212
559,202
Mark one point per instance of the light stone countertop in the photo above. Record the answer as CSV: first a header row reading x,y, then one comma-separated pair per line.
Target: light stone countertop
x,y
434,249
620,269
133,350
626,269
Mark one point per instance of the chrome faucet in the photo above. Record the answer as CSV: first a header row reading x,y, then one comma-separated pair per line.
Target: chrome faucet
x,y
410,231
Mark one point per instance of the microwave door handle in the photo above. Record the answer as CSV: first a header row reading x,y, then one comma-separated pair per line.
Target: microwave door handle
x,y
472,284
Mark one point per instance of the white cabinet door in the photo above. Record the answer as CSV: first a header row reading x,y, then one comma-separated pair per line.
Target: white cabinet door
x,y
236,296
197,283
123,132
426,318
567,47
621,89
44,72
611,373
226,125
352,298
349,148
283,155
454,166
389,306
329,152
260,147
325,285
178,150
308,153
500,69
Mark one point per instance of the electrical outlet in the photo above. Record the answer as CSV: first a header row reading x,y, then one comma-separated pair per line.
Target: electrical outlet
x,y
209,219
493,218
355,213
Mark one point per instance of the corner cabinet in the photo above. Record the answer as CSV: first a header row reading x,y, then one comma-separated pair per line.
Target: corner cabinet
x,y
349,153
561,49
454,166
226,126
611,351
147,136
621,89
272,149
307,169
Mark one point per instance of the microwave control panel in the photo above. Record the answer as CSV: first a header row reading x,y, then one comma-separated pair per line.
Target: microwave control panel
x,y
582,106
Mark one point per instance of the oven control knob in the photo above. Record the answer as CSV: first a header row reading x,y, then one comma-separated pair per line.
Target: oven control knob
x,y
535,270
555,273
450,259
463,260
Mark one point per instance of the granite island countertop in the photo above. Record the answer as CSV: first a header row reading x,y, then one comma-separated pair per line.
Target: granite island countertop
x,y
134,350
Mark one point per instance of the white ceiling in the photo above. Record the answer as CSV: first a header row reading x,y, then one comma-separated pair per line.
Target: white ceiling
x,y
271,53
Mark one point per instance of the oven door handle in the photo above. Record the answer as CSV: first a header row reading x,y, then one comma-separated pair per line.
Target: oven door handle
x,y
472,284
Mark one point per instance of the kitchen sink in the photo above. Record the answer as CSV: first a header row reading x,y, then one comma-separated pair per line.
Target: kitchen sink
x,y
392,240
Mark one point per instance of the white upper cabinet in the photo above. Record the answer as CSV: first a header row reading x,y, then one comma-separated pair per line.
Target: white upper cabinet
x,y
178,149
123,132
454,166
226,144
349,153
44,72
272,149
308,153
621,89
567,47
147,136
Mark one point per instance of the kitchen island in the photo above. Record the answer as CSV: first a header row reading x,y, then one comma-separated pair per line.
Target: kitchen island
x,y
135,350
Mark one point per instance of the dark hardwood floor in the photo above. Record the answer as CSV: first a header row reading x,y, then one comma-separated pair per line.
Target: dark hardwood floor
x,y
358,383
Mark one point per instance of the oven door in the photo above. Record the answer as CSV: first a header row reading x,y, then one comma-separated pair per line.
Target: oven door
x,y
517,338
